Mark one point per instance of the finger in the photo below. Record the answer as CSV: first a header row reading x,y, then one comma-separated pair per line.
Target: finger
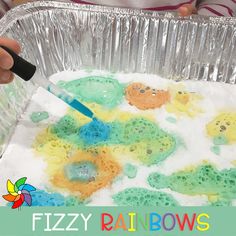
x,y
6,61
187,10
6,76
10,43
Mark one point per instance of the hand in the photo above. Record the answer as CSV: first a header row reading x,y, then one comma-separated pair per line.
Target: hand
x,y
187,10
6,61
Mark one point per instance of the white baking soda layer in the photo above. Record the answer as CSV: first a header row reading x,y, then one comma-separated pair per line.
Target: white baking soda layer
x,y
21,160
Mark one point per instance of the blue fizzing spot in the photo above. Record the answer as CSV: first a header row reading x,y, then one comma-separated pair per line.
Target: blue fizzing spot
x,y
95,132
42,198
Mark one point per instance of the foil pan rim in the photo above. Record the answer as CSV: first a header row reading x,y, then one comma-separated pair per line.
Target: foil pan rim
x,y
24,10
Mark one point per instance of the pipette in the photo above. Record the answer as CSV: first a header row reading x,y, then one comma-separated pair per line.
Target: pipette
x,y
25,70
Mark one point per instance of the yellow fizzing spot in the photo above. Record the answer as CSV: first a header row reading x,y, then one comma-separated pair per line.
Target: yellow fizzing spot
x,y
224,125
106,115
183,102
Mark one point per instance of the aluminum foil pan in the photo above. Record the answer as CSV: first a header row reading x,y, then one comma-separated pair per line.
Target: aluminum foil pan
x,y
58,36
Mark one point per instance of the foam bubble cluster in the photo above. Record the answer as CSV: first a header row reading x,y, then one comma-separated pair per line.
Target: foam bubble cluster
x,y
223,128
139,137
137,197
105,91
144,97
83,173
204,179
95,132
66,128
182,102
42,198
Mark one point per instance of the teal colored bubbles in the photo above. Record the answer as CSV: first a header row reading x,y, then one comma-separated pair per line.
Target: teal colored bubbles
x,y
81,171
105,91
138,197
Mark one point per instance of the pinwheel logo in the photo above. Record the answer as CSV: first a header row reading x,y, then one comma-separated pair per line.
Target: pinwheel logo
x,y
19,193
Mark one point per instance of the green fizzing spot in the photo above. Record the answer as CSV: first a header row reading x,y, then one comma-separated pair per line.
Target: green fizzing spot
x,y
105,91
81,171
130,171
37,117
220,140
205,179
150,143
67,128
140,137
138,197
216,150
140,129
221,203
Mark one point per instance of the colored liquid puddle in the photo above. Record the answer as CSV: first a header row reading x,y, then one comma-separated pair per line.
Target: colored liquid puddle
x,y
223,128
204,179
139,137
37,117
137,197
144,97
105,91
130,171
81,171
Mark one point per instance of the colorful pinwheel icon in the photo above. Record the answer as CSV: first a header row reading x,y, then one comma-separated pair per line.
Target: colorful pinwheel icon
x,y
19,193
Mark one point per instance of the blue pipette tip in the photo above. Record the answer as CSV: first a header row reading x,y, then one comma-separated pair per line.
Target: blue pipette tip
x,y
81,108
94,118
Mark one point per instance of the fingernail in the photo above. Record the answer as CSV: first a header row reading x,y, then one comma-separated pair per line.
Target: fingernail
x,y
5,76
6,62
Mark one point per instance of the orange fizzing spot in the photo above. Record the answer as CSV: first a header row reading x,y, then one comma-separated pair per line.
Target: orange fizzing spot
x,y
107,170
144,97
